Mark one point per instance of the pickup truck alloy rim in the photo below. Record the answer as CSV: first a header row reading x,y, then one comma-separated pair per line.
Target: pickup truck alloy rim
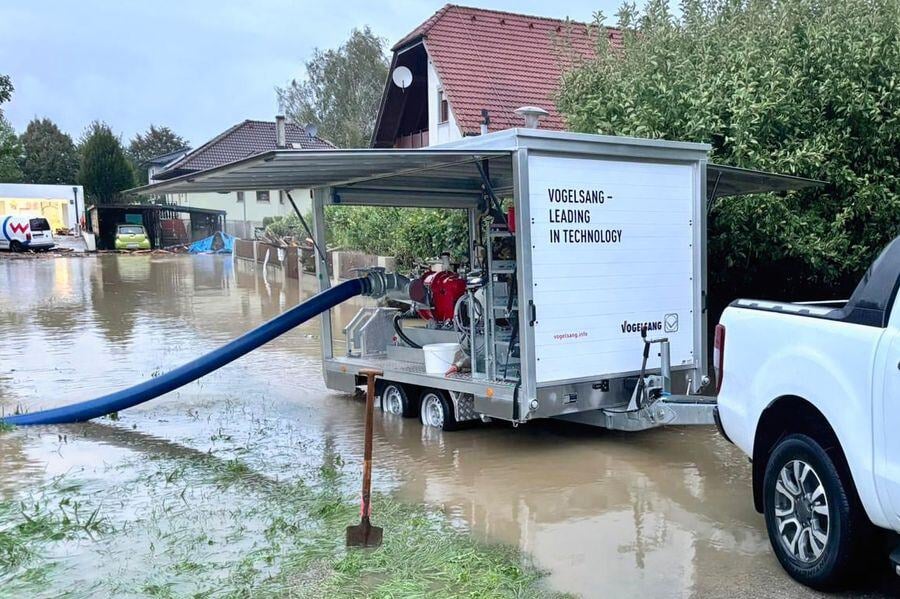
x,y
801,510
393,401
432,411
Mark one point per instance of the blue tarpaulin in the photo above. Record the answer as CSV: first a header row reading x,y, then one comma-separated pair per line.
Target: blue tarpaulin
x,y
218,243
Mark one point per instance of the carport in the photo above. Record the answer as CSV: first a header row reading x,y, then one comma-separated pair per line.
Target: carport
x,y
166,225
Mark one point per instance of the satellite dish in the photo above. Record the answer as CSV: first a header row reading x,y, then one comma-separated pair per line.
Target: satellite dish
x,y
312,129
402,77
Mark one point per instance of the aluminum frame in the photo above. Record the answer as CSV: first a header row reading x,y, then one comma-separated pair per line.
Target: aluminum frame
x,y
602,147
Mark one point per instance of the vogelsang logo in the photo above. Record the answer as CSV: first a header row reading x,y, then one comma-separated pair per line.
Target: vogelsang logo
x,y
668,324
637,327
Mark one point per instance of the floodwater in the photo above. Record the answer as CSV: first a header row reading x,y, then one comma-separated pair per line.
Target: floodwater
x,y
666,513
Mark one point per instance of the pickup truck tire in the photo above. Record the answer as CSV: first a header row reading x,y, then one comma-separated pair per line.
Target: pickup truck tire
x,y
815,526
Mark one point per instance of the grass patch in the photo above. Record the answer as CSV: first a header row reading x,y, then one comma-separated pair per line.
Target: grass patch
x,y
217,527
5,427
304,553
25,528
422,554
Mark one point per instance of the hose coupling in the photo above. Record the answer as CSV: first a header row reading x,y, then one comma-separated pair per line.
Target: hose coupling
x,y
386,284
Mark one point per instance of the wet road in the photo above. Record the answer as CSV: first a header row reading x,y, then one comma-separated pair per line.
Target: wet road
x,y
661,514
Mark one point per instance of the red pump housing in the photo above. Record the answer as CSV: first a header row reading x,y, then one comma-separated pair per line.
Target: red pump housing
x,y
444,288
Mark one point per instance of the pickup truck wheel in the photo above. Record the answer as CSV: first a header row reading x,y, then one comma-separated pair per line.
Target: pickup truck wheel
x,y
814,526
395,400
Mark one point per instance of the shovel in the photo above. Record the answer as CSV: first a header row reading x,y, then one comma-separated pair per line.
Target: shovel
x,y
364,534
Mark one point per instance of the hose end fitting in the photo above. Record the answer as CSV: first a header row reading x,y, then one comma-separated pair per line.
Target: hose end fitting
x,y
386,284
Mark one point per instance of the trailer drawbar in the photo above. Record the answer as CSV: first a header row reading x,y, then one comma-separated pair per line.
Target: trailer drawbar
x,y
376,283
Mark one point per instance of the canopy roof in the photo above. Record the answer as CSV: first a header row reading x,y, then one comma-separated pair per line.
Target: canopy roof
x,y
723,181
447,175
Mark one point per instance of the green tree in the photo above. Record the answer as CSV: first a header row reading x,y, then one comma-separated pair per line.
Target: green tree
x,y
341,91
809,87
6,88
10,148
49,155
156,141
10,153
105,171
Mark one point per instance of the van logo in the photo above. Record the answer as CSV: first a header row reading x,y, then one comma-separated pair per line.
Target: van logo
x,y
671,323
18,228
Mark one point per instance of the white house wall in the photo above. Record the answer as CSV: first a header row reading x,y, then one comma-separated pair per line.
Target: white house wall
x,y
45,200
236,216
439,133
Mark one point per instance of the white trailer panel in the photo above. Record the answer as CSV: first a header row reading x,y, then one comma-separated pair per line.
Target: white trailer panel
x,y
612,251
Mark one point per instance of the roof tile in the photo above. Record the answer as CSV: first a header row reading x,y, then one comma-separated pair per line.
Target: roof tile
x,y
245,139
501,61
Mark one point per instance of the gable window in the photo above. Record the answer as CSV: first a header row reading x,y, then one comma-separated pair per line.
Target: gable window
x,y
262,197
443,107
240,197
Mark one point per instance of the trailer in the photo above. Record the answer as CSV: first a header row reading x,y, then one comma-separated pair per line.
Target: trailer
x,y
583,292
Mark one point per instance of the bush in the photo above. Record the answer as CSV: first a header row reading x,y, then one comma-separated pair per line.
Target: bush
x,y
285,226
408,234
808,87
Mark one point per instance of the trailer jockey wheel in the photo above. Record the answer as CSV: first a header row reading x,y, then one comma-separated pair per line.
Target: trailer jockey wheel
x,y
395,400
437,410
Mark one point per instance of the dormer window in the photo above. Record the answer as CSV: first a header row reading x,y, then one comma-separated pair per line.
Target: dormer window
x,y
443,107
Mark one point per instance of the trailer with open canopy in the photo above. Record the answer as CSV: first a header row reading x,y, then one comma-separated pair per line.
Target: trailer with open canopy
x,y
583,292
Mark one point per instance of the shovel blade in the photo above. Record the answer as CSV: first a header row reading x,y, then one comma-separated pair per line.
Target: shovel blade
x,y
364,535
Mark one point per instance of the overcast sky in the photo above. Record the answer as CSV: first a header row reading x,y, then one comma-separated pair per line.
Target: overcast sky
x,y
198,66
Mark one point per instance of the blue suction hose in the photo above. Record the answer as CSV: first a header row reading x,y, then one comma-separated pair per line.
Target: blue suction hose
x,y
132,396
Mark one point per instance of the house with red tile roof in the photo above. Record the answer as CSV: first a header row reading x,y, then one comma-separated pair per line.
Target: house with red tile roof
x,y
245,210
472,67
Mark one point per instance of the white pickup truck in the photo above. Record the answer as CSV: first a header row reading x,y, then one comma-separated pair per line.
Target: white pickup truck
x,y
811,392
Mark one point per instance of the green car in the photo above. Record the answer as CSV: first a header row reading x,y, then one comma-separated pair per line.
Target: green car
x,y
132,237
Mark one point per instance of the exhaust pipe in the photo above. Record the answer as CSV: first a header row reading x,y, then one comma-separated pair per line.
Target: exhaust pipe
x,y
532,114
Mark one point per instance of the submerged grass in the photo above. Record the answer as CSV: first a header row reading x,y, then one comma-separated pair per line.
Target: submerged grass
x,y
26,527
208,526
422,554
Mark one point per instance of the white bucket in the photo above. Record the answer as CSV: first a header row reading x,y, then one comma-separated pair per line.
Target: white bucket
x,y
439,357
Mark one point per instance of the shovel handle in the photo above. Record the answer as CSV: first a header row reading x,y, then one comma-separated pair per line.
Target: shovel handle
x,y
366,507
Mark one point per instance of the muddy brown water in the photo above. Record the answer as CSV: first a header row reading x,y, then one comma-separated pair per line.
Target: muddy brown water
x,y
665,513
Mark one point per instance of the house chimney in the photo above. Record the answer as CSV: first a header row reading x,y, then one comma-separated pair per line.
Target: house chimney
x,y
485,121
532,115
280,134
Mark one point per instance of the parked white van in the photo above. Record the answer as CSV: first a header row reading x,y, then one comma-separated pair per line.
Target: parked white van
x,y
20,233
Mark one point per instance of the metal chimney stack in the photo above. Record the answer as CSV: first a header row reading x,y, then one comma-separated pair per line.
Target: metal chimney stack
x,y
532,115
280,132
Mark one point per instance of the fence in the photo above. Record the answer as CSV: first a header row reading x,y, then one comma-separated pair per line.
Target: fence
x,y
293,261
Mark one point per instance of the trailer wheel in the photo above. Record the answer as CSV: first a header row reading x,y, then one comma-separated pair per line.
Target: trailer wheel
x,y
437,410
815,527
16,246
395,400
